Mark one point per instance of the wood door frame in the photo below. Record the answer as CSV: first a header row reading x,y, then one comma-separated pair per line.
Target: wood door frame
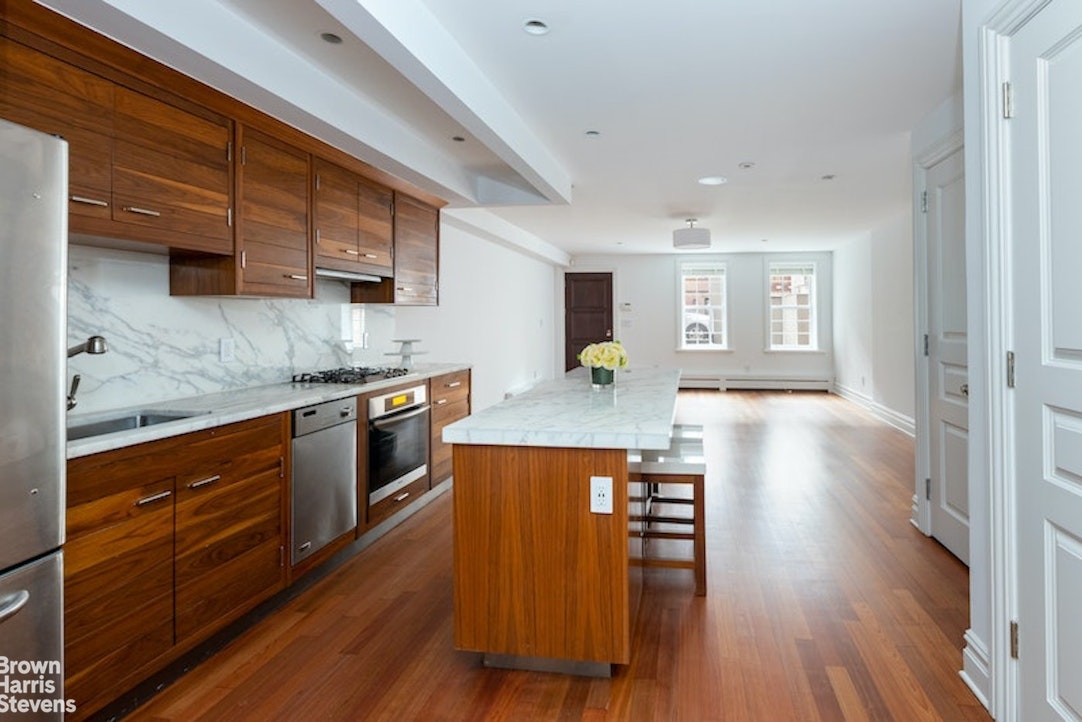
x,y
922,507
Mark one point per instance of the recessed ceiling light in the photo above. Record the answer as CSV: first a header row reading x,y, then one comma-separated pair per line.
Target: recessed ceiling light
x,y
331,38
713,180
535,27
593,133
745,165
458,139
827,177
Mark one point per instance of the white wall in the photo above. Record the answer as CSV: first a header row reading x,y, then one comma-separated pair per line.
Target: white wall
x,y
649,330
496,312
873,320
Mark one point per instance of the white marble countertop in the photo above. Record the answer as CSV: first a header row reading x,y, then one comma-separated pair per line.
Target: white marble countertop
x,y
227,407
637,412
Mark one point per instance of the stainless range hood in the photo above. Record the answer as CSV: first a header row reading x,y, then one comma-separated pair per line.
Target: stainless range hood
x,y
347,276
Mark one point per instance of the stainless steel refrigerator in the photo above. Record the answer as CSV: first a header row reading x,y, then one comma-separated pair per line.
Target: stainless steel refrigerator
x,y
33,309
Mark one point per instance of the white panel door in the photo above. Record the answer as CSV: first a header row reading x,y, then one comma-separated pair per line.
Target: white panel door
x,y
948,373
1046,274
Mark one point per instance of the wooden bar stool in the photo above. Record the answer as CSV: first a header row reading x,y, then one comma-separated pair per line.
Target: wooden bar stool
x,y
682,463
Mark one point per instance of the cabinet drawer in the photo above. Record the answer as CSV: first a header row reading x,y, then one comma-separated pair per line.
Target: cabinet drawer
x,y
217,527
450,387
406,496
447,412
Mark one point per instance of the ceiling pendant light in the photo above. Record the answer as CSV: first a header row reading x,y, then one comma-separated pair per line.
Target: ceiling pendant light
x,y
691,237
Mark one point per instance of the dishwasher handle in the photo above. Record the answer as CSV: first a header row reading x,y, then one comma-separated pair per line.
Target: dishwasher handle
x,y
393,418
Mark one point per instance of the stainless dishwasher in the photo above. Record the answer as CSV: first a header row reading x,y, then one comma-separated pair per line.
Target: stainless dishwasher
x,y
324,499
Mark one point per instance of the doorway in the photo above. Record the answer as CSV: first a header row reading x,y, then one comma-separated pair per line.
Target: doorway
x,y
587,313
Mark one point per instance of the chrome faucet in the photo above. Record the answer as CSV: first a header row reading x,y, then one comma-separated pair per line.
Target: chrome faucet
x,y
95,345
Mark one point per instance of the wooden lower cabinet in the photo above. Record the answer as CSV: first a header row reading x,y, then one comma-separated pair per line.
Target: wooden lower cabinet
x,y
450,394
168,542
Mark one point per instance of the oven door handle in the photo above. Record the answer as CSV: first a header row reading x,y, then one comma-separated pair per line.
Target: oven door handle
x,y
384,420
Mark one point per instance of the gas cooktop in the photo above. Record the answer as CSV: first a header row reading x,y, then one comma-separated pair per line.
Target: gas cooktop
x,y
350,375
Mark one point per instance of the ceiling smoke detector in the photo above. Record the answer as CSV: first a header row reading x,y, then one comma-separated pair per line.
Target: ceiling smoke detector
x,y
691,237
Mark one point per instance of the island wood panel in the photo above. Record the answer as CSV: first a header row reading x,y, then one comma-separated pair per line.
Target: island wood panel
x,y
536,573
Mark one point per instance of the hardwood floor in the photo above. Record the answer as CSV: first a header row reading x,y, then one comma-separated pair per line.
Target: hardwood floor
x,y
824,603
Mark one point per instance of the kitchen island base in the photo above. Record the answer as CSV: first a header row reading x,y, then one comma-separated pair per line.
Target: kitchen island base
x,y
545,664
537,574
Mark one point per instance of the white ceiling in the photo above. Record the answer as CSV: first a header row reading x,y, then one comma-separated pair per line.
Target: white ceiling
x,y
676,90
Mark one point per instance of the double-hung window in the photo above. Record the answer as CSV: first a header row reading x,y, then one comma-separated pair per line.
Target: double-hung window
x,y
792,319
702,306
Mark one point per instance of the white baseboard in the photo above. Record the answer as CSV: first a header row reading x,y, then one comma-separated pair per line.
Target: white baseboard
x,y
724,382
702,381
976,669
901,422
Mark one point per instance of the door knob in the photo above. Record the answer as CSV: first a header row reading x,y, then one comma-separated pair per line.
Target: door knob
x,y
965,389
608,334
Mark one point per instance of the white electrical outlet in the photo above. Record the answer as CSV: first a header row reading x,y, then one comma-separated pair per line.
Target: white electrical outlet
x,y
601,494
226,350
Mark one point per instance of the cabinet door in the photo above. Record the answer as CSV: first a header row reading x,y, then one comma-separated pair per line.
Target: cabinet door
x,y
229,535
273,222
416,249
375,232
118,573
171,175
46,94
335,216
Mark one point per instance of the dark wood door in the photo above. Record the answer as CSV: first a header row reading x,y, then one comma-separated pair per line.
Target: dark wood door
x,y
587,313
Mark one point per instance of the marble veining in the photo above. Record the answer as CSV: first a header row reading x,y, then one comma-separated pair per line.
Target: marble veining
x,y
226,407
167,347
637,412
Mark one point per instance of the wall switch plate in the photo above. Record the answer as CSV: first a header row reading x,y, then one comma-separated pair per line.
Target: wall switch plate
x,y
226,350
601,494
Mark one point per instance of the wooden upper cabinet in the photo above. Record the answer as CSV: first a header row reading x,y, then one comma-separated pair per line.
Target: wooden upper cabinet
x,y
140,169
416,242
49,95
272,233
171,174
353,223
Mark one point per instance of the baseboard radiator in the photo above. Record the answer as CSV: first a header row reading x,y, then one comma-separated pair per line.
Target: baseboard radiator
x,y
753,383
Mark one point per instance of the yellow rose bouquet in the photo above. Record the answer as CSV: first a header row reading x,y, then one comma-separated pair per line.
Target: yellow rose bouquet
x,y
606,354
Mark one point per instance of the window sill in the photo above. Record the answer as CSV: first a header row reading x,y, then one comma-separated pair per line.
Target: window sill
x,y
704,350
795,350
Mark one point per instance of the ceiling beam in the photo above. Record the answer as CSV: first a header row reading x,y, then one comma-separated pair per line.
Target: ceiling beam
x,y
410,39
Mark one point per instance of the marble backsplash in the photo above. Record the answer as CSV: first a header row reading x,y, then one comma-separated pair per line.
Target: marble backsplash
x,y
164,347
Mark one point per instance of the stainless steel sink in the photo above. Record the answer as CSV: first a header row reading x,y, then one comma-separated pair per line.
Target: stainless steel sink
x,y
131,420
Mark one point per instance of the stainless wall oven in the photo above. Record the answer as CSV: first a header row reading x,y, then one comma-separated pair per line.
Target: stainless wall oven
x,y
397,441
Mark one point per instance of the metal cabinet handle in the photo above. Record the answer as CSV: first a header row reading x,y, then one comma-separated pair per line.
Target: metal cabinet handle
x,y
351,252
153,498
400,497
370,255
965,389
453,384
142,211
10,604
441,402
88,201
406,289
204,482
296,276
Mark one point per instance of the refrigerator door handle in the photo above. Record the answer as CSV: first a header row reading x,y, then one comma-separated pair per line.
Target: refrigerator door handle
x,y
10,604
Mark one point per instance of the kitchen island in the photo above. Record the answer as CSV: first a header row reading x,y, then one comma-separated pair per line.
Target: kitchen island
x,y
540,580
